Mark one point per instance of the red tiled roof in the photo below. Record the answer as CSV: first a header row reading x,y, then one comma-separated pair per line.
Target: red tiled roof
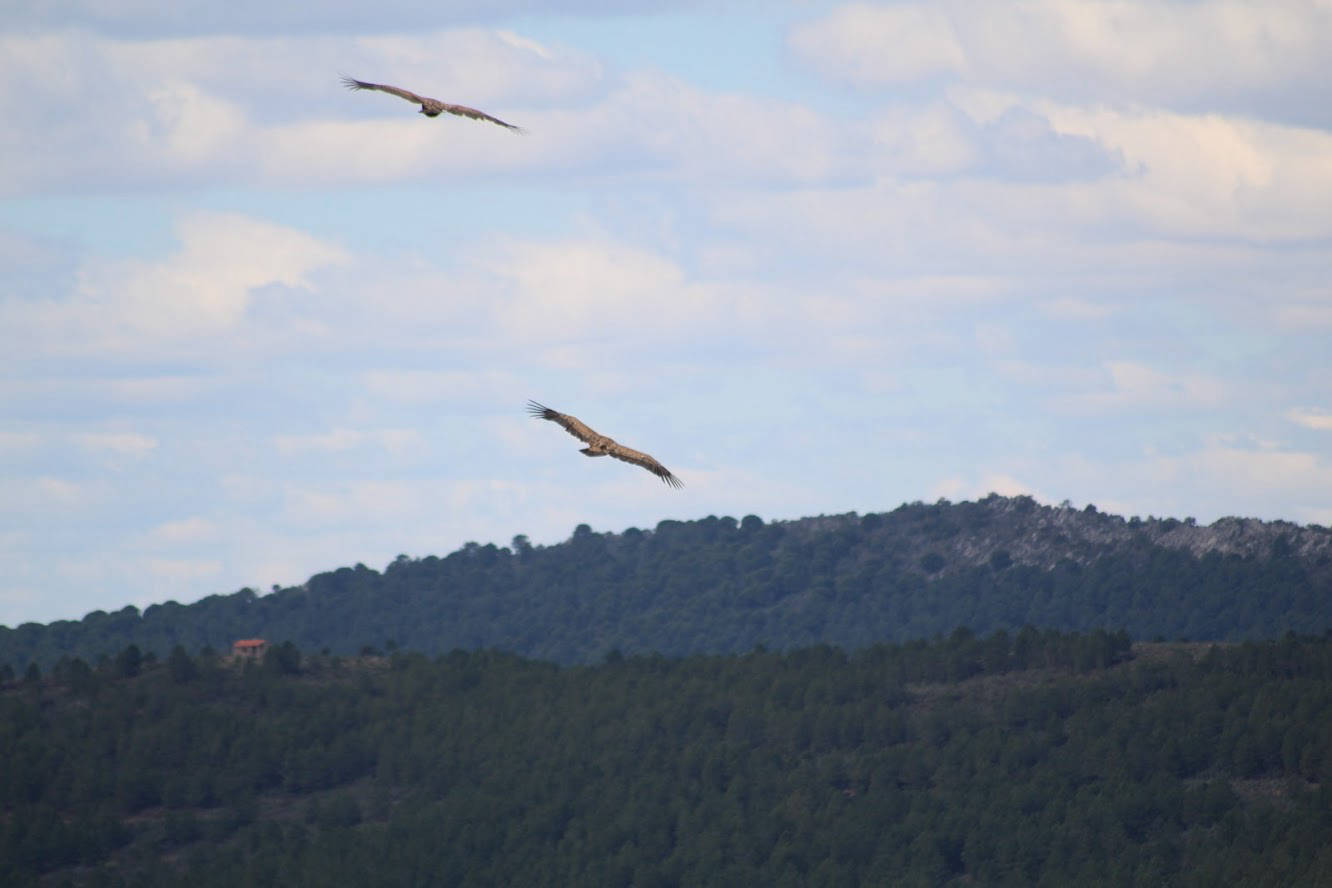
x,y
249,643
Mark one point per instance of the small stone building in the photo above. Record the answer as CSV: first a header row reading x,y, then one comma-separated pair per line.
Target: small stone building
x,y
249,649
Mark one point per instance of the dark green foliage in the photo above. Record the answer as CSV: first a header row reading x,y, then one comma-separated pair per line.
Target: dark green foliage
x,y
721,586
182,829
76,674
129,661
181,666
932,562
1032,758
283,659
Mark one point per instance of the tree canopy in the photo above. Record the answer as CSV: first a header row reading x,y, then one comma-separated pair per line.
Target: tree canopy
x,y
718,585
1033,758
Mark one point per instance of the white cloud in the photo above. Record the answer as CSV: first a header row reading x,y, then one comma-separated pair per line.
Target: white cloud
x,y
873,44
1005,485
203,290
18,597
342,440
422,502
1298,315
174,17
470,387
58,490
245,110
588,289
1014,143
117,443
470,66
248,109
1180,177
1263,58
1268,474
661,128
1070,308
995,339
1137,385
1034,374
335,441
106,387
181,570
1205,174
1221,477
209,284
1320,420
153,389
934,140
15,442
956,488
46,494
187,125
185,530
390,150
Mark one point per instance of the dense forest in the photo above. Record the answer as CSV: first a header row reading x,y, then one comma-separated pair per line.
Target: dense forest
x,y
1031,758
719,585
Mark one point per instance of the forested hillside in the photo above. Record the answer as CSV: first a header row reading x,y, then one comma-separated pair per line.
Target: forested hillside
x,y
718,585
1026,759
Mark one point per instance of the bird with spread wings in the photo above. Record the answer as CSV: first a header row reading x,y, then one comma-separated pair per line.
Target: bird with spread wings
x,y
600,445
429,107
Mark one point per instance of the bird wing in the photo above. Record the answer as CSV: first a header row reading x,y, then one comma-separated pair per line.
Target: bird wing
x,y
571,424
629,455
352,83
464,111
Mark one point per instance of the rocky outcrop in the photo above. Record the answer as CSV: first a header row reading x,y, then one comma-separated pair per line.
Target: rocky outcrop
x,y
1017,530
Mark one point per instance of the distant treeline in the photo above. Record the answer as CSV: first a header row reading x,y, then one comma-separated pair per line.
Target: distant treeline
x,y
719,585
1034,758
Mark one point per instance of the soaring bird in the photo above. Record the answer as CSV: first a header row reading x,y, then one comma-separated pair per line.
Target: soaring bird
x,y
429,107
600,445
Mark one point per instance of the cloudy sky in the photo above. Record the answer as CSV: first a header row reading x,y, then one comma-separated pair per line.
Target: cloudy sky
x,y
815,257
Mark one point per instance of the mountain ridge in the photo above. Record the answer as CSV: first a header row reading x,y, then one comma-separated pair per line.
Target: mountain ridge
x,y
722,585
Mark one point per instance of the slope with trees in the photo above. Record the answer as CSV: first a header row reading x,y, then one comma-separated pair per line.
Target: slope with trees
x,y
1026,758
718,585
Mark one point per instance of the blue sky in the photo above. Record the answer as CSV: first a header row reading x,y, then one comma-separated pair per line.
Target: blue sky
x,y
814,257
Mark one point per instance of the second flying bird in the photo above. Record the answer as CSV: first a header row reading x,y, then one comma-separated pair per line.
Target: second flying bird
x,y
600,445
429,107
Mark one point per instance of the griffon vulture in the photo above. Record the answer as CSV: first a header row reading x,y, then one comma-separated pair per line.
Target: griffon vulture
x,y
600,445
429,107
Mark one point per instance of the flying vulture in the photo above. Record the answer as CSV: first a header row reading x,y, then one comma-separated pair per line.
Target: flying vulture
x,y
600,445
429,107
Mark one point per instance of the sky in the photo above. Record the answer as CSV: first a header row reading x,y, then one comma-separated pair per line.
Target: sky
x,y
814,257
